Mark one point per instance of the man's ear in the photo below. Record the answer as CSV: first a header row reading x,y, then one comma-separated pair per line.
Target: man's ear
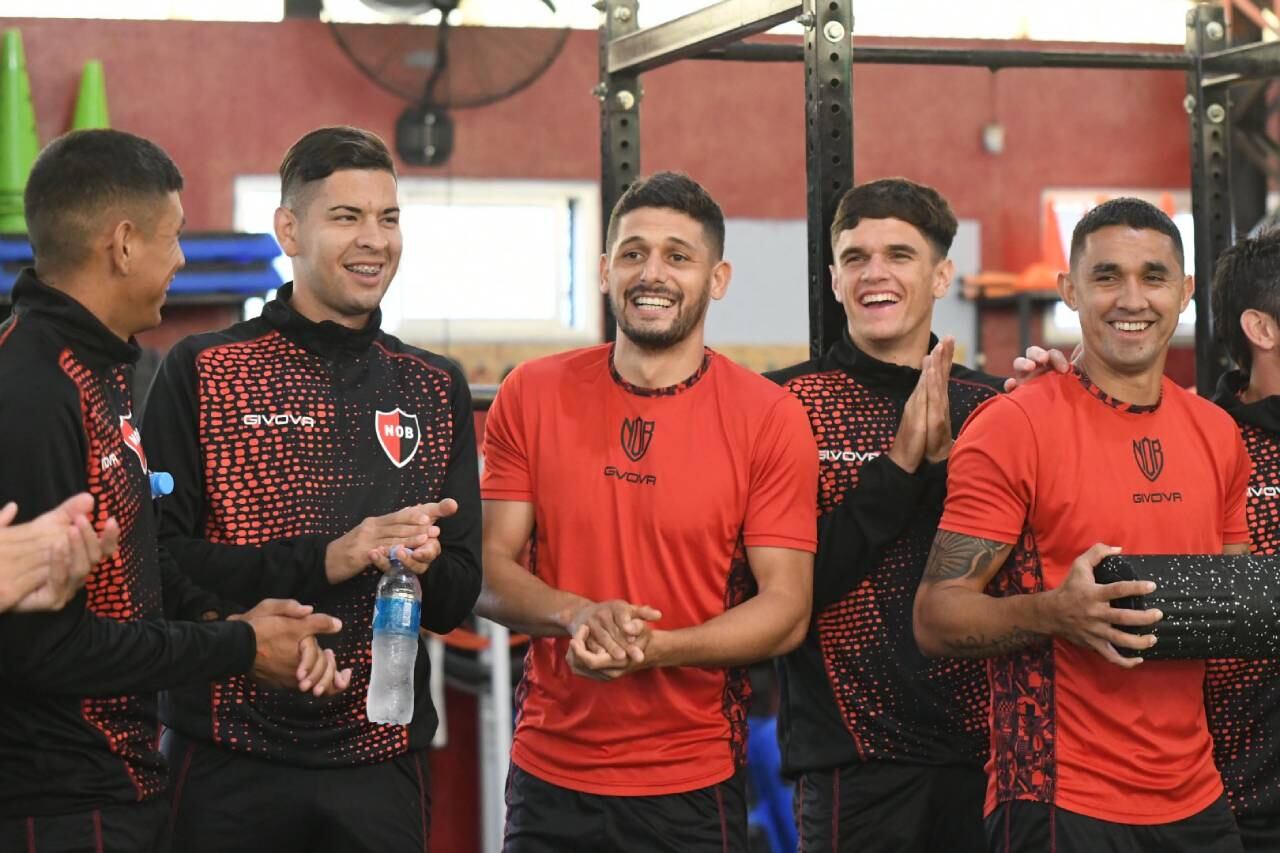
x,y
286,226
943,275
1261,330
124,246
720,275
1067,289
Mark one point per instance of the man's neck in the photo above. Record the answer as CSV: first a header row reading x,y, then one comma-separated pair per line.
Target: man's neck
x,y
1264,378
908,350
661,368
304,302
1142,389
92,292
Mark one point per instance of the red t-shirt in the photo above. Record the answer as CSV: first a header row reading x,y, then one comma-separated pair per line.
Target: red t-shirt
x,y
1053,468
652,496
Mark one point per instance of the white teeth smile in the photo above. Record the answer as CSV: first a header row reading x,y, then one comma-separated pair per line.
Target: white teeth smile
x,y
875,298
653,302
1130,326
365,269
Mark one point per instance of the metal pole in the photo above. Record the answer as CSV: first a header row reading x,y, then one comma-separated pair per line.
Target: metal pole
x,y
435,652
619,96
719,24
494,708
991,59
828,76
1209,110
1250,157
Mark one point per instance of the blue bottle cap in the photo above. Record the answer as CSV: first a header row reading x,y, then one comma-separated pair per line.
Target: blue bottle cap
x,y
395,561
161,483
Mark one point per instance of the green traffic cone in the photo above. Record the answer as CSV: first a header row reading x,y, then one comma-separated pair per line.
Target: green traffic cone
x,y
19,141
91,103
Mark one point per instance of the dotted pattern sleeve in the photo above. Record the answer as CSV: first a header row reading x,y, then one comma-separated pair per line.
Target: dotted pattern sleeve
x,y
453,583
87,648
290,567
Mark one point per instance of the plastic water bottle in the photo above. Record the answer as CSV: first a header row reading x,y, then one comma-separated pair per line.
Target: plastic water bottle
x,y
395,645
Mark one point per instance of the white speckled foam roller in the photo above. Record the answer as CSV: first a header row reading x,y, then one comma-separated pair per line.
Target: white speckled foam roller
x,y
1214,606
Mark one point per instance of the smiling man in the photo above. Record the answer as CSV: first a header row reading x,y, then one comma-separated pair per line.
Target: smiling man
x,y
1091,750
886,745
80,769
669,497
303,443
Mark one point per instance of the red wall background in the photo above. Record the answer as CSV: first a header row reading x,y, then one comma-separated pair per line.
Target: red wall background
x,y
227,99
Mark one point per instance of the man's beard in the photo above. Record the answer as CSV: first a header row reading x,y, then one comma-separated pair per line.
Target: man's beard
x,y
656,339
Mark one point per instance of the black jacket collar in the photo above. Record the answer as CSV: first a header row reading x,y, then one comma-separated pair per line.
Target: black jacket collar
x,y
93,342
845,355
326,338
1264,414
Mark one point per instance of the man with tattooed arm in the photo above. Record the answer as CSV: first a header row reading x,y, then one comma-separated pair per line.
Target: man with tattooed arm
x,y
1091,750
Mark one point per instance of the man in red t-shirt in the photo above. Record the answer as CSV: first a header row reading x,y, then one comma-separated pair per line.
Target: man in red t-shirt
x,y
1091,750
669,498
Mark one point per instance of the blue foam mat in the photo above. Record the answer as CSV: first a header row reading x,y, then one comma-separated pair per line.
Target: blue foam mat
x,y
253,253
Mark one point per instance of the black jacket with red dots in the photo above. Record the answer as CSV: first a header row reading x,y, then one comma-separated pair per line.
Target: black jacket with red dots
x,y
78,726
858,688
283,434
1242,697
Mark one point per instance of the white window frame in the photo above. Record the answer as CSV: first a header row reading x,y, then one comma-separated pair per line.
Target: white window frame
x,y
579,317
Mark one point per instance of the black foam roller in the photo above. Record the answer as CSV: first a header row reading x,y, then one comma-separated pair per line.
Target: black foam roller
x,y
1214,606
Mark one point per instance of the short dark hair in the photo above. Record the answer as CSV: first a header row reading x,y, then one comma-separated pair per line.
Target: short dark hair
x,y
673,191
326,150
1247,276
81,175
898,198
1131,213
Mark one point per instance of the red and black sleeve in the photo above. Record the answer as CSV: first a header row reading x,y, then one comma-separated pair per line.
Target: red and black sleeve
x,y
453,582
74,651
245,574
869,516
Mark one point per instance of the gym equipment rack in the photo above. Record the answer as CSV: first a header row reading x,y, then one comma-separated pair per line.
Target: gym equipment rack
x,y
1213,70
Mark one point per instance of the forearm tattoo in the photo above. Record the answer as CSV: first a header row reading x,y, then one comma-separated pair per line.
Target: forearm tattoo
x,y
980,646
955,555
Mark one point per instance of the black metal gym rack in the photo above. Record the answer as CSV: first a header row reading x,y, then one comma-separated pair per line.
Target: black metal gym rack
x,y
1222,78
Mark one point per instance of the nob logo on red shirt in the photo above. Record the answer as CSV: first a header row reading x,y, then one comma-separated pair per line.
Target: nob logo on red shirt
x,y
636,435
1149,456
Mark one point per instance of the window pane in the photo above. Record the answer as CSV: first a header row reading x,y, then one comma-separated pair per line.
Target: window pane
x,y
482,260
472,262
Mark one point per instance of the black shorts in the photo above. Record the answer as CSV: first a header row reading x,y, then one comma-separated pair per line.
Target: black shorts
x,y
1259,833
1022,826
124,828
545,818
226,802
881,807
